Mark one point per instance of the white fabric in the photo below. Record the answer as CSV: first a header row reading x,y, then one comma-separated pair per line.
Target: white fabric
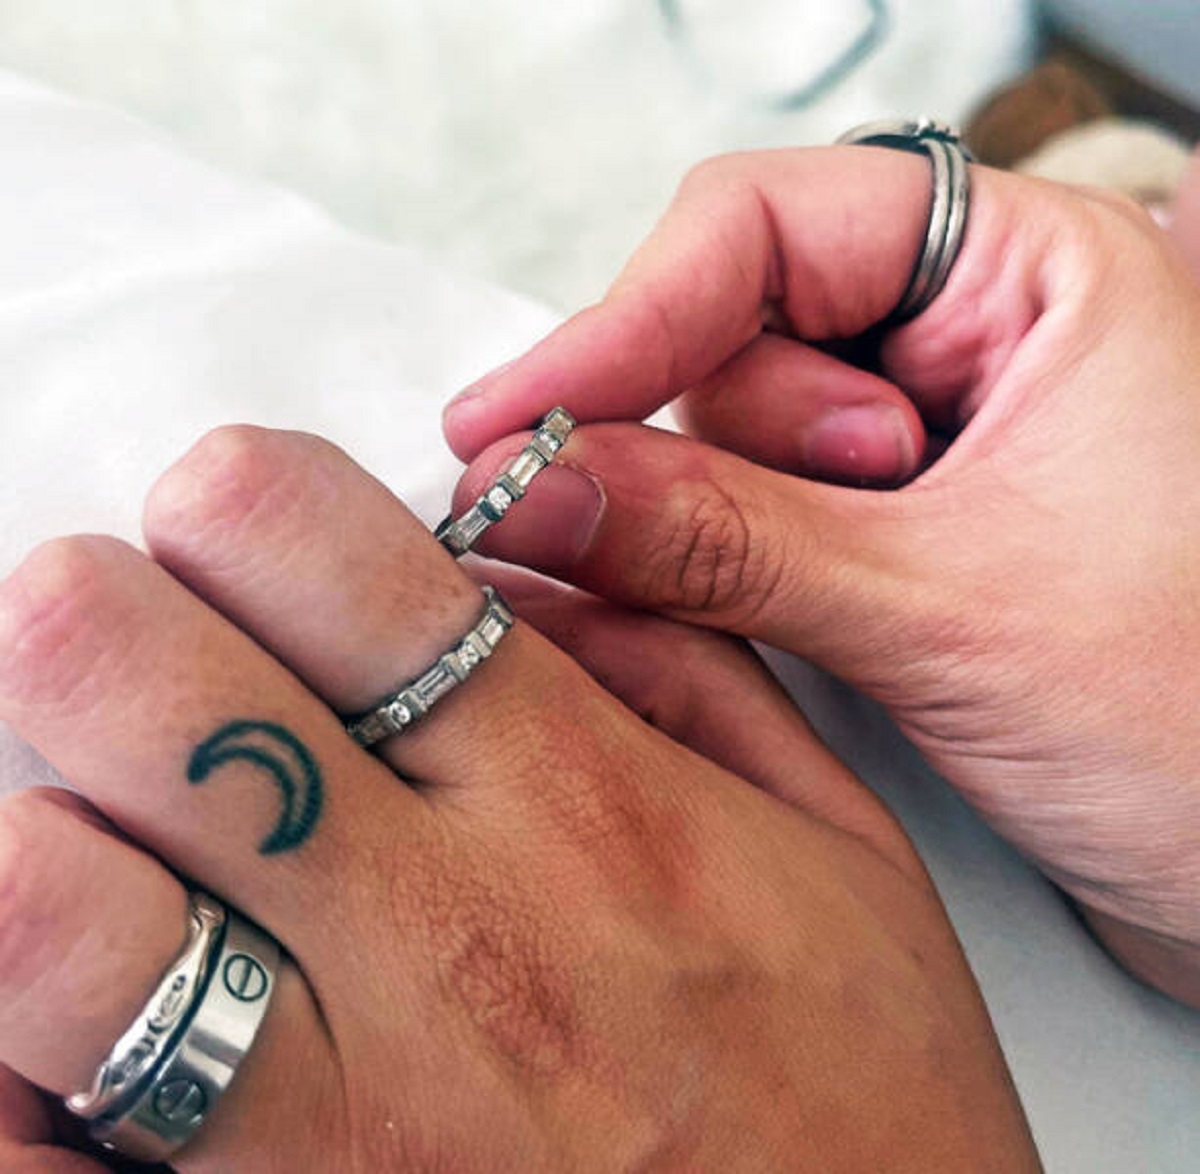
x,y
145,298
533,144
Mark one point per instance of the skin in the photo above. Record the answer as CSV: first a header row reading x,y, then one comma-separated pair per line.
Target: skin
x,y
1185,215
988,519
570,942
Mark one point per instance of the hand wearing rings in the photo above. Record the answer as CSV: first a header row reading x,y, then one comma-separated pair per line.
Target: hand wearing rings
x,y
984,515
538,932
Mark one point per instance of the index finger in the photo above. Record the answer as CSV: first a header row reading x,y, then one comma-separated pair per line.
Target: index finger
x,y
826,238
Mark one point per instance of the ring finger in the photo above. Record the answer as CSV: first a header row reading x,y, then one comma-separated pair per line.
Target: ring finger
x,y
288,538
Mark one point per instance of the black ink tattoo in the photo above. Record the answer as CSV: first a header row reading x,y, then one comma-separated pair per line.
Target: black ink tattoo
x,y
285,757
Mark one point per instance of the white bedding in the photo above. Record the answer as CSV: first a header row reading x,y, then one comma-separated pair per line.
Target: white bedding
x,y
530,143
145,297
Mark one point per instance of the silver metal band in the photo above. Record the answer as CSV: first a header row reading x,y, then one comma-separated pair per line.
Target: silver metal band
x,y
160,1022
459,535
398,711
214,1014
948,207
167,1110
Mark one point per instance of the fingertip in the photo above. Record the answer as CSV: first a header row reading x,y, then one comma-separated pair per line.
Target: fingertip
x,y
499,404
483,415
461,425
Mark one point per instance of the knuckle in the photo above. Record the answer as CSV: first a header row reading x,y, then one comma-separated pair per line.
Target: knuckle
x,y
714,173
710,557
23,816
52,608
700,176
231,475
11,859
1114,232
1124,208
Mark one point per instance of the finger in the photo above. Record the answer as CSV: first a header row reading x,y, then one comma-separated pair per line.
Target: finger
x,y
28,1136
296,544
324,567
290,539
659,522
266,526
693,294
828,239
69,939
82,949
23,1116
189,736
791,407
709,692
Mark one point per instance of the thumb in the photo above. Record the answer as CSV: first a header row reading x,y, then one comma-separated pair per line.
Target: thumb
x,y
661,522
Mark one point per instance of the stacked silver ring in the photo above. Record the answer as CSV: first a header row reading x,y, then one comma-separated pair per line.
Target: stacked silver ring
x,y
400,710
164,1075
948,210
458,535
404,707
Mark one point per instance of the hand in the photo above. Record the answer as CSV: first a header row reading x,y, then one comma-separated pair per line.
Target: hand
x,y
1029,606
571,943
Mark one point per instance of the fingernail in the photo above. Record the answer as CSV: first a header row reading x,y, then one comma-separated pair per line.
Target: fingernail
x,y
559,520
872,441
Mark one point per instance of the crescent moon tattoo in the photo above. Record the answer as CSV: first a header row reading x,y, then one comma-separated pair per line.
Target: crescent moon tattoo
x,y
288,762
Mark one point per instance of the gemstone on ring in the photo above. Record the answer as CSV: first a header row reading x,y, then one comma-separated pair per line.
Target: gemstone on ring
x,y
459,535
400,709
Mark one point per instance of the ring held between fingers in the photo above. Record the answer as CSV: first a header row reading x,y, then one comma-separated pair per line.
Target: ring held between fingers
x,y
255,522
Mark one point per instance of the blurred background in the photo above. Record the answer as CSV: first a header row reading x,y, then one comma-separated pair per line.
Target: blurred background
x,y
535,143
